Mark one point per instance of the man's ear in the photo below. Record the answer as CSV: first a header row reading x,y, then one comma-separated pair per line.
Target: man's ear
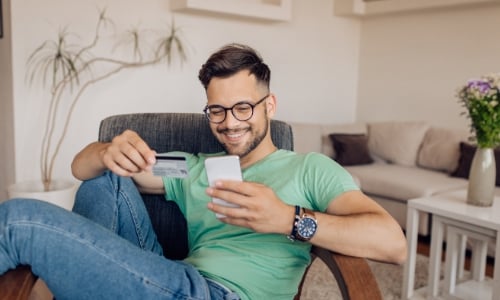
x,y
271,105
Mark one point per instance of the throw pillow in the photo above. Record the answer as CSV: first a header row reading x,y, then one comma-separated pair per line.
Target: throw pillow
x,y
397,142
440,149
466,155
351,149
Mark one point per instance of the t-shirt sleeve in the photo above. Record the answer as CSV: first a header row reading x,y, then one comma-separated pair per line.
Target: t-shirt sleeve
x,y
325,180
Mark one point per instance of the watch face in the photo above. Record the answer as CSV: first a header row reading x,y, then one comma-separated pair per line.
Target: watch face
x,y
306,227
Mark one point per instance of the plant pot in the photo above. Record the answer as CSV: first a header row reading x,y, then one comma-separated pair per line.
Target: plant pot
x,y
62,192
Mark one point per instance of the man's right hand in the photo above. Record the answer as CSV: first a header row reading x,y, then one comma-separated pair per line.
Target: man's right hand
x,y
127,154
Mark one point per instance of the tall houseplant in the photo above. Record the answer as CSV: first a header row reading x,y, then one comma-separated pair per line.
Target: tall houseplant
x,y
69,69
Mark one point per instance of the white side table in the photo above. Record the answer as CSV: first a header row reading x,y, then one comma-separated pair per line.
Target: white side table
x,y
454,234
450,210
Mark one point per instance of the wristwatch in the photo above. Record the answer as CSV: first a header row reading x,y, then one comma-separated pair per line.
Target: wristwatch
x,y
304,226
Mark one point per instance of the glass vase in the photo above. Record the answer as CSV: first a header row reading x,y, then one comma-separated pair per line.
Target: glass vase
x,y
482,177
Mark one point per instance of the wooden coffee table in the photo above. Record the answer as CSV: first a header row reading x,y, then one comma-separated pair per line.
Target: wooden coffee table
x,y
450,213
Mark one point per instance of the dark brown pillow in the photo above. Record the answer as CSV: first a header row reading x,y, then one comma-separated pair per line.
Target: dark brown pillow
x,y
464,162
351,149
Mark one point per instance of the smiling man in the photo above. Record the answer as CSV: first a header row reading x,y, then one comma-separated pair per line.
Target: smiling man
x,y
259,250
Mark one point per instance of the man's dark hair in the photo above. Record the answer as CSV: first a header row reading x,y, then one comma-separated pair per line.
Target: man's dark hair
x,y
231,59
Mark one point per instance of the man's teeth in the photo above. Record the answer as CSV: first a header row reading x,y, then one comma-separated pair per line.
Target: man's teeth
x,y
235,135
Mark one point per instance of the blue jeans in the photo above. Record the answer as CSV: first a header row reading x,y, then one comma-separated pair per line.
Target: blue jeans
x,y
114,256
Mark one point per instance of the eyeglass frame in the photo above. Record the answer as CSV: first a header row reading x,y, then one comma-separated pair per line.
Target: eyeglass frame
x,y
252,106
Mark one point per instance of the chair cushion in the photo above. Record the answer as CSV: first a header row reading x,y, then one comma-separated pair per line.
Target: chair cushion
x,y
169,225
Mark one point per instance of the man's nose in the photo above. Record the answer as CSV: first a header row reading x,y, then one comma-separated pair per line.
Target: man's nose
x,y
230,120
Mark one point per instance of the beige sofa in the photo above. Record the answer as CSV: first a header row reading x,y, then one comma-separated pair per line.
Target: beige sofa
x,y
410,159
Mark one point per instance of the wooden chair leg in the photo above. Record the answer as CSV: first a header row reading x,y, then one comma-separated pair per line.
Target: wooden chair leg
x,y
17,284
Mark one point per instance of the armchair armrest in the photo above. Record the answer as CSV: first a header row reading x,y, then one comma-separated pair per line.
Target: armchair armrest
x,y
17,284
352,274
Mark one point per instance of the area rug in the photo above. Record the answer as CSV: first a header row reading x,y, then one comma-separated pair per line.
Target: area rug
x,y
320,284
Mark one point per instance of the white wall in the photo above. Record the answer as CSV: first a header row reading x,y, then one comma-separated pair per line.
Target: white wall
x,y
314,62
412,64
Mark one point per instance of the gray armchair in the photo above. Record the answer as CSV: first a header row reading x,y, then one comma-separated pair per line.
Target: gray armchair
x,y
190,132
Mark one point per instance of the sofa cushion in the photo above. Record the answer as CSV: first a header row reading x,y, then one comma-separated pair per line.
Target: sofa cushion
x,y
396,142
467,152
403,182
342,128
440,149
351,149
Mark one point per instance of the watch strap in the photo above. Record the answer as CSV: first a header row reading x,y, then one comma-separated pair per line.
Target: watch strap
x,y
293,234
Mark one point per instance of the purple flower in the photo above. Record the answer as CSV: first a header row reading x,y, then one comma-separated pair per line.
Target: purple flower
x,y
479,89
480,86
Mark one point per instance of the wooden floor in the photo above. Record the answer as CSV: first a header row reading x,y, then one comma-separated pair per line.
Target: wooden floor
x,y
423,248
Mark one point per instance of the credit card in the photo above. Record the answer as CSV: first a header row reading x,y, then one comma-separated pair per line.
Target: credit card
x,y
170,166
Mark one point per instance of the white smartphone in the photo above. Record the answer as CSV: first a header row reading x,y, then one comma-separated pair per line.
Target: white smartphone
x,y
223,167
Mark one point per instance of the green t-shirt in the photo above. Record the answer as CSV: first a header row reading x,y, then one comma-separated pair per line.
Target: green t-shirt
x,y
256,265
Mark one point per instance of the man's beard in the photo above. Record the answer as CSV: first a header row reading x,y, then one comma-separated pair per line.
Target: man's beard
x,y
252,144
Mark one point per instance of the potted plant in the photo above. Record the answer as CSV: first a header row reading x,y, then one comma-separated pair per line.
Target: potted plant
x,y
68,70
481,100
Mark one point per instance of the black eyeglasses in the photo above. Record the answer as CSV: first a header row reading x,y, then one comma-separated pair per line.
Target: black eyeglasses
x,y
242,111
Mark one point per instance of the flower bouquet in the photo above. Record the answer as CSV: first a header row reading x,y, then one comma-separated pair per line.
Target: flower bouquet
x,y
481,99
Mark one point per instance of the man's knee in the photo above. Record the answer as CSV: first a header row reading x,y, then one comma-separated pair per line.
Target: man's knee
x,y
103,188
107,181
99,184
